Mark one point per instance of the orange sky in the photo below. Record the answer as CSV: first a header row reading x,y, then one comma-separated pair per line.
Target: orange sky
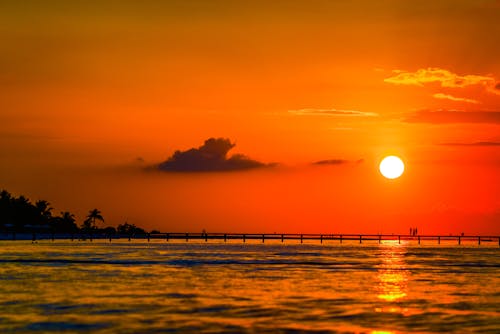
x,y
87,87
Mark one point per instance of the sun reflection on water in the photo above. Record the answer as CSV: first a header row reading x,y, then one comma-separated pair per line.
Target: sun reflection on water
x,y
392,273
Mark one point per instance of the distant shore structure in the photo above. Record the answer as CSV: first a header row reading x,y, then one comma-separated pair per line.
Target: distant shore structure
x,y
244,237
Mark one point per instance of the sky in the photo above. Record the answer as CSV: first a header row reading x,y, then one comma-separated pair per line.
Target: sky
x,y
96,98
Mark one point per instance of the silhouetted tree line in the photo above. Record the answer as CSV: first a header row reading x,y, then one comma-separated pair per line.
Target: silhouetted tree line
x,y
19,214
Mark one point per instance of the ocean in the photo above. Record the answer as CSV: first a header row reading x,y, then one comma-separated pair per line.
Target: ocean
x,y
235,287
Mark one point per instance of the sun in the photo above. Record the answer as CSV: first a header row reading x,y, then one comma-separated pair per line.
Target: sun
x,y
391,167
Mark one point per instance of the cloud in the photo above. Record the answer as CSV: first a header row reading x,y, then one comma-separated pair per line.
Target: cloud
x,y
331,162
211,156
478,143
495,89
332,112
444,77
336,162
453,116
453,98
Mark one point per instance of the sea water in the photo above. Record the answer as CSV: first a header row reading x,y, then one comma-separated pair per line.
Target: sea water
x,y
217,287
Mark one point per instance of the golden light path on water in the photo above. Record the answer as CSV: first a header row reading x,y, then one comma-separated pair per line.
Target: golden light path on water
x,y
392,273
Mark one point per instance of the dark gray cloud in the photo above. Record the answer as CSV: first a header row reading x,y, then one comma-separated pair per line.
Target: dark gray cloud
x,y
211,156
331,162
453,116
336,162
478,143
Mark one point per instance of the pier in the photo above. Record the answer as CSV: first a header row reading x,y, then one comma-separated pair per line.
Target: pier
x,y
321,238
262,237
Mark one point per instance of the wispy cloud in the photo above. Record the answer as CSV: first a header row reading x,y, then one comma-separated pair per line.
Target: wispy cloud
x,y
332,112
336,162
454,98
342,128
444,77
331,162
453,116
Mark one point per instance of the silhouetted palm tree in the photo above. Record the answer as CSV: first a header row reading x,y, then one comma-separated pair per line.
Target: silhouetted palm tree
x,y
6,208
44,209
22,201
5,195
89,223
65,223
68,216
23,212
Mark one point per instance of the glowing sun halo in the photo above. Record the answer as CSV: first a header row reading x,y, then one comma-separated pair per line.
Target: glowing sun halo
x,y
391,167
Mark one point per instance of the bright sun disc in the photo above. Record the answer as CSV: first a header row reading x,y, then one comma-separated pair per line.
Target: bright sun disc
x,y
392,167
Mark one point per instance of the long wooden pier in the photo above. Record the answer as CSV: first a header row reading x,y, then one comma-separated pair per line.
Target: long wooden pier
x,y
262,237
243,237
